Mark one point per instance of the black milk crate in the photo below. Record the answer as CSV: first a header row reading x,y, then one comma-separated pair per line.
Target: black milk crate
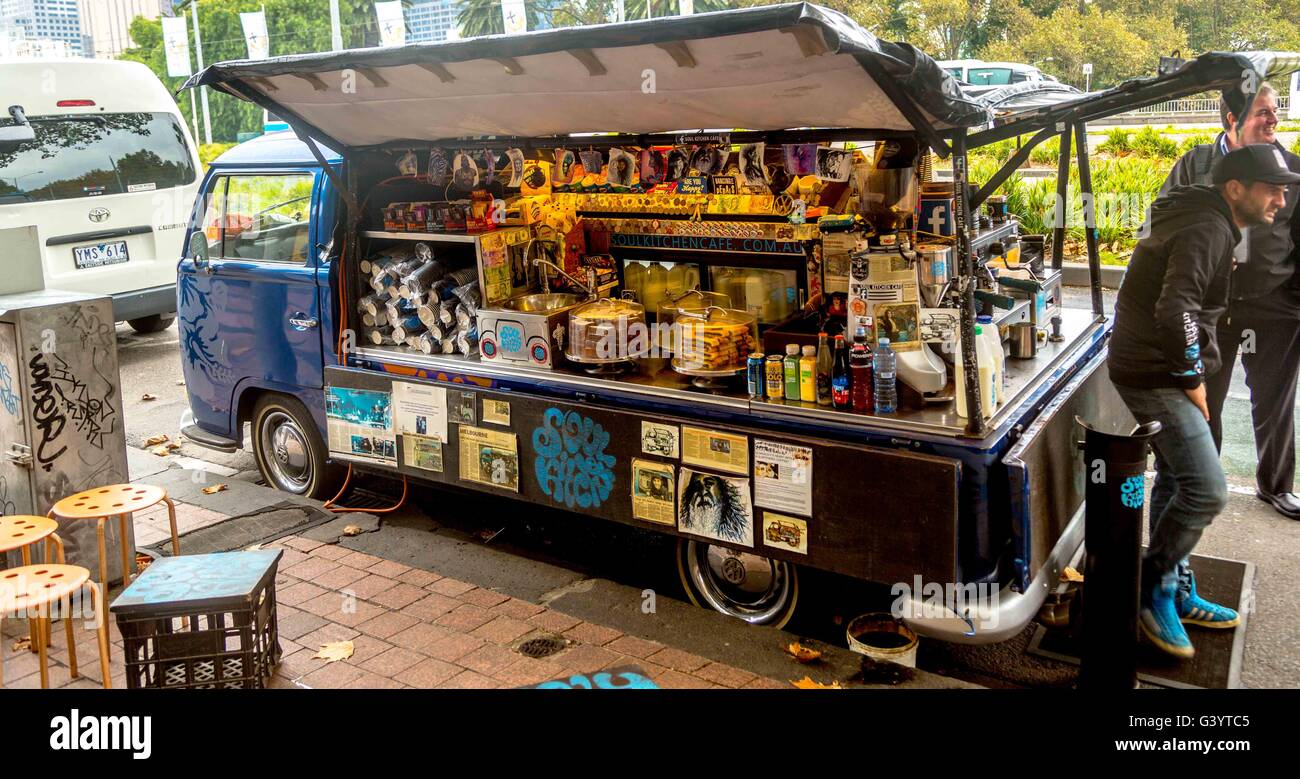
x,y
201,622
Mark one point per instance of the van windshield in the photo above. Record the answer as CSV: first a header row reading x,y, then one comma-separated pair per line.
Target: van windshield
x,y
89,155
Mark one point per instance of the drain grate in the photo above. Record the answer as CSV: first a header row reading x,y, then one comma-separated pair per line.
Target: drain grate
x,y
537,648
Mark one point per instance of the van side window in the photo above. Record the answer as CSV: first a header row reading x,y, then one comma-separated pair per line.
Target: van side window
x,y
261,217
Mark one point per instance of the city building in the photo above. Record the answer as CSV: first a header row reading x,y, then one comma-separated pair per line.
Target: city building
x,y
431,21
108,22
43,26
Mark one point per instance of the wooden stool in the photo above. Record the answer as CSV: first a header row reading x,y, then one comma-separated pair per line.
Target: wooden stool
x,y
22,532
116,500
38,587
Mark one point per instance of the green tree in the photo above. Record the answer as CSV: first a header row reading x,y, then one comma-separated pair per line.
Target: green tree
x,y
1119,46
293,26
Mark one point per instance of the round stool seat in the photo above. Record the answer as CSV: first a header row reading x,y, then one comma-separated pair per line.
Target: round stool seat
x,y
106,501
29,586
19,530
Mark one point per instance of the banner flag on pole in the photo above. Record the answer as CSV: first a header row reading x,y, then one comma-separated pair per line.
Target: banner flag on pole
x,y
259,43
176,43
392,26
514,16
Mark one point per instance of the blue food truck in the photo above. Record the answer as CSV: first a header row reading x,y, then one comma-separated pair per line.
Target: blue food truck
x,y
437,274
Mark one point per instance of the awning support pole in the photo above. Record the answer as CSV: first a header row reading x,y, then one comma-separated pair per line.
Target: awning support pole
x,y
1062,198
1089,218
1008,168
975,423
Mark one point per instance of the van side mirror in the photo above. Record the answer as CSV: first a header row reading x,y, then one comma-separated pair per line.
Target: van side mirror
x,y
17,133
199,249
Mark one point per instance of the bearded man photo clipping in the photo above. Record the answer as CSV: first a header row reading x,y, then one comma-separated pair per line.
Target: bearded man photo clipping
x,y
716,507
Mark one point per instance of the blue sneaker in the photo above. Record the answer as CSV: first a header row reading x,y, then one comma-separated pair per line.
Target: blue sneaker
x,y
1160,623
1195,610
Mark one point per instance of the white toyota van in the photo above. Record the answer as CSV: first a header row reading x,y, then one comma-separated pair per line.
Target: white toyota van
x,y
107,176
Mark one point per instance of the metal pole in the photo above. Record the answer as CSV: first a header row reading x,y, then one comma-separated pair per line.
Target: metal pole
x,y
336,31
194,114
1115,493
203,91
975,425
1062,199
1089,217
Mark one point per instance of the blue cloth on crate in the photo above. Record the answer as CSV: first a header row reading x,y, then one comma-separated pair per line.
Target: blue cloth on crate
x,y
220,576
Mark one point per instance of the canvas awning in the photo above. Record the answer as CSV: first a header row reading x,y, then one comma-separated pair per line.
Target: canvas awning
x,y
1033,110
768,68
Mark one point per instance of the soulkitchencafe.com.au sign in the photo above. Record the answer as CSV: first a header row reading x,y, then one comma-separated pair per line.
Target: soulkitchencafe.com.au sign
x,y
706,243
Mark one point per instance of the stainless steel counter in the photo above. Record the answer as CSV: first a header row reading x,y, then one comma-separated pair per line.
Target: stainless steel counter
x,y
655,379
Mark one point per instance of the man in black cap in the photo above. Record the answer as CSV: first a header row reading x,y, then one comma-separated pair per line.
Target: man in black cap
x,y
1163,348
1263,316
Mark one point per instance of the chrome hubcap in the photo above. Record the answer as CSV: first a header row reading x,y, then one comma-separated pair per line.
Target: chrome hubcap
x,y
743,585
286,453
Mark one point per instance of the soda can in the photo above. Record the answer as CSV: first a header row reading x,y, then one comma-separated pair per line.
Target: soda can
x,y
775,377
754,375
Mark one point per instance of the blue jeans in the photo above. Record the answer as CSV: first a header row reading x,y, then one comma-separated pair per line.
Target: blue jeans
x,y
1190,489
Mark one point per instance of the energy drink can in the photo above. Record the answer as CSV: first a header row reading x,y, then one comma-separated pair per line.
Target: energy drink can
x,y
754,375
774,377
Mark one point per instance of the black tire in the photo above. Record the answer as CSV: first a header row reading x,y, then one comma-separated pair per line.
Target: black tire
x,y
772,605
288,448
154,323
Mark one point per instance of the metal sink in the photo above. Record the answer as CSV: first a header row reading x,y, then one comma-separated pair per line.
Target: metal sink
x,y
542,302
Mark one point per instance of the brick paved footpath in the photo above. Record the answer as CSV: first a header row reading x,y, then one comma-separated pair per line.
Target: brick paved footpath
x,y
409,628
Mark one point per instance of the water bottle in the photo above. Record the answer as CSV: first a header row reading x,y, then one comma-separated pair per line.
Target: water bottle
x,y
885,368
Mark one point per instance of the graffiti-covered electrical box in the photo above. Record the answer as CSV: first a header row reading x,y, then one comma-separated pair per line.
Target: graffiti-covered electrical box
x,y
60,412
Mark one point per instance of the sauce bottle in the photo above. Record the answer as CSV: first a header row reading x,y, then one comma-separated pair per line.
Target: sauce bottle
x,y
841,381
824,368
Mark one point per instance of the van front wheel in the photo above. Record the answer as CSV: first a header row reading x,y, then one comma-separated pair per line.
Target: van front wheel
x,y
288,448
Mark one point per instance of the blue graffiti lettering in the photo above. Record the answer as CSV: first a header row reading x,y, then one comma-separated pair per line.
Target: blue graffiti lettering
x,y
572,467
1133,492
603,680
7,394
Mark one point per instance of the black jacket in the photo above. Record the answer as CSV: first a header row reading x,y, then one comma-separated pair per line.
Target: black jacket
x,y
1270,261
1176,288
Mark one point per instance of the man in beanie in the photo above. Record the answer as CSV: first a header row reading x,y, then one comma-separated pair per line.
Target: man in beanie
x,y
1263,316
1163,348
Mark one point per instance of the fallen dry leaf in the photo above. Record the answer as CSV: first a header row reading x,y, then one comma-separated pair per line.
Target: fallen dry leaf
x,y
214,489
161,451
1071,575
807,683
147,396
22,644
352,530
802,653
334,651
172,446
154,440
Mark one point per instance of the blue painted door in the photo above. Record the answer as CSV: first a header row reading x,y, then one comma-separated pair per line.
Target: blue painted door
x,y
250,313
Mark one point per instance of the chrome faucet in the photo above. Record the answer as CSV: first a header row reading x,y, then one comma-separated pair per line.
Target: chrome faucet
x,y
538,262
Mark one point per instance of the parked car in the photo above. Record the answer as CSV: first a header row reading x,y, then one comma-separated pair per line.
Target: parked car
x,y
100,162
978,76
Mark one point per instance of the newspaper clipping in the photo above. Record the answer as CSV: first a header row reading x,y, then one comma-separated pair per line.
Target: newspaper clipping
x,y
715,449
359,423
783,476
489,457
654,491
